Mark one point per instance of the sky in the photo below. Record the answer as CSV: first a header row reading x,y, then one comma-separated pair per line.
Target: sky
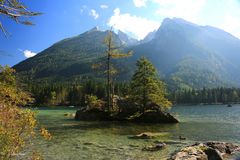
x,y
62,19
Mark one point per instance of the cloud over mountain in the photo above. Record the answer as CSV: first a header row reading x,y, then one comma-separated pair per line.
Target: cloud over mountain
x,y
137,26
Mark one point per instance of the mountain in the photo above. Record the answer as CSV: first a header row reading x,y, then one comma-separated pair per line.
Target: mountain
x,y
186,55
68,60
126,39
149,37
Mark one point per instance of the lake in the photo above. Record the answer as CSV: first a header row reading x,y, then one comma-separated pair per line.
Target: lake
x,y
76,140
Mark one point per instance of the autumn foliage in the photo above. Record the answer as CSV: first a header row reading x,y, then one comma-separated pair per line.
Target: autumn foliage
x,y
17,124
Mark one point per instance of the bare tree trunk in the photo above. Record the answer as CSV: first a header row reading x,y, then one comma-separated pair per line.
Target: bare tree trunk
x,y
108,77
112,98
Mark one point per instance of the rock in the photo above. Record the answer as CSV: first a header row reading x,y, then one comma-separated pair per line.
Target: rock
x,y
91,115
70,124
150,116
188,156
207,151
223,147
169,142
133,145
155,147
88,143
69,114
213,154
228,150
147,135
126,106
190,153
154,117
141,136
182,138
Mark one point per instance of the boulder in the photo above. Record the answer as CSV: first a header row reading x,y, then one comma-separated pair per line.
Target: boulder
x,y
190,155
223,147
206,151
213,154
154,147
152,116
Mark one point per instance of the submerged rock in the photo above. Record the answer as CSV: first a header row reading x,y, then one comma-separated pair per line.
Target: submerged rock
x,y
133,145
69,114
207,151
146,135
182,138
88,143
154,147
170,142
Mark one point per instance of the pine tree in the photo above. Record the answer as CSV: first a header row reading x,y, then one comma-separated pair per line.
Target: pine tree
x,y
147,88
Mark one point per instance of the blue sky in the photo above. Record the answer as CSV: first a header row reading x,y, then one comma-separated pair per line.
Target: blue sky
x,y
66,18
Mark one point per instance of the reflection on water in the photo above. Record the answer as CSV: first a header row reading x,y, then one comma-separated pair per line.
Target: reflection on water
x,y
110,140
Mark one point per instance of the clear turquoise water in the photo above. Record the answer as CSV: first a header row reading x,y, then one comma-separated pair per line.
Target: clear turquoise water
x,y
110,140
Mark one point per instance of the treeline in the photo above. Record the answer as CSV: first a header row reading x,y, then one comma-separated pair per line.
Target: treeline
x,y
206,96
75,94
72,94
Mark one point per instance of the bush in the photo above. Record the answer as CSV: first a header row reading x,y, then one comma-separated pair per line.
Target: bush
x,y
17,125
92,102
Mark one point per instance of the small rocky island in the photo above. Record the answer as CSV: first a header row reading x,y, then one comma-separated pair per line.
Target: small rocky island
x,y
145,100
149,116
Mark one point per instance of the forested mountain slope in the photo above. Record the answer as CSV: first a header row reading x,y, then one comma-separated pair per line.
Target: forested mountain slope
x,y
185,54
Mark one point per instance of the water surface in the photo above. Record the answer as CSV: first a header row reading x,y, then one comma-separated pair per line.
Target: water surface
x,y
73,140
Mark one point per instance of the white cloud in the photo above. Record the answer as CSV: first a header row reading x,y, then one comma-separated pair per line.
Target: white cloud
x,y
230,21
94,14
223,14
231,24
104,6
28,54
186,9
137,26
83,8
140,3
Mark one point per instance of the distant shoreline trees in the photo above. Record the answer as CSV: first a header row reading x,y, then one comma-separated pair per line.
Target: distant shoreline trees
x,y
75,94
206,96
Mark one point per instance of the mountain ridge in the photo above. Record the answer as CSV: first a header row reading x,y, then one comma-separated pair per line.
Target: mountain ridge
x,y
186,54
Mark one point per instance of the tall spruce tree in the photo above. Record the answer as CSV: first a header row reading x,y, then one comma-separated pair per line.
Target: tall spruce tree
x,y
146,87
